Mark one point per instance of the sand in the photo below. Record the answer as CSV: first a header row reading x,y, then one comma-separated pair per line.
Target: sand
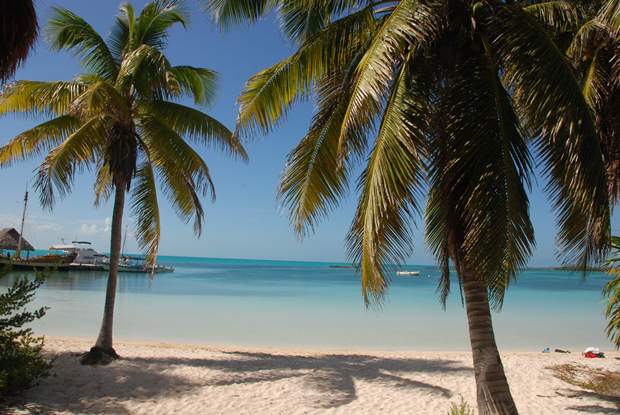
x,y
189,379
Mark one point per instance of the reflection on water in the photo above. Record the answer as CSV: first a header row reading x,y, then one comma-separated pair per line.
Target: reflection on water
x,y
303,304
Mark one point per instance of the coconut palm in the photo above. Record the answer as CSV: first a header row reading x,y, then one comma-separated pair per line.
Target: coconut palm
x,y
18,31
612,292
120,120
443,99
595,53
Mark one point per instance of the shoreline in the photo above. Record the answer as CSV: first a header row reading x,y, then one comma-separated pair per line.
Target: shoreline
x,y
310,350
161,378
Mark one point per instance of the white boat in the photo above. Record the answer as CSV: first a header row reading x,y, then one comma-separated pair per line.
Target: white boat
x,y
408,273
86,257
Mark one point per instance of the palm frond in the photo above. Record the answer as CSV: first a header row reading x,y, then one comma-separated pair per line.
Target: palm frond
x,y
558,15
145,208
154,22
185,176
407,29
200,83
230,12
583,37
81,149
300,20
558,115
68,31
269,94
612,310
610,13
41,138
101,98
118,40
390,190
493,166
104,184
595,85
40,98
145,70
196,125
313,181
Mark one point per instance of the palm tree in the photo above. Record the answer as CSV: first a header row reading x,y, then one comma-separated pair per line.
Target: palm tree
x,y
18,31
612,292
595,52
443,98
121,120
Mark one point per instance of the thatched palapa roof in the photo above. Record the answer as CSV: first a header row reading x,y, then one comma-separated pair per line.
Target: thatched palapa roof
x,y
9,238
18,31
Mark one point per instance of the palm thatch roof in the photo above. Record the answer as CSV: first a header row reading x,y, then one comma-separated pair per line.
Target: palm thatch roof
x,y
9,238
18,31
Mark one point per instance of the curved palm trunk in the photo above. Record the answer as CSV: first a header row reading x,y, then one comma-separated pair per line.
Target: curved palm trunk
x,y
103,352
492,390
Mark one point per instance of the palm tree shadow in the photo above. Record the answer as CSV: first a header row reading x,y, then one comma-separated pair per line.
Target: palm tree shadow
x,y
328,380
592,408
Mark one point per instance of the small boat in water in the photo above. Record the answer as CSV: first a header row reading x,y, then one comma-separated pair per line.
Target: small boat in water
x,y
138,265
408,273
50,261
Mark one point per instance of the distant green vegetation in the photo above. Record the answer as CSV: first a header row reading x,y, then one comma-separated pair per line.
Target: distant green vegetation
x,y
21,361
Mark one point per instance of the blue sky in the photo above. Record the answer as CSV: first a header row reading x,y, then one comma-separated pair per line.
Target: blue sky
x,y
245,221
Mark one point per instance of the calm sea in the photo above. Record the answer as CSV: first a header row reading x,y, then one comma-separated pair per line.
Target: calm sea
x,y
310,305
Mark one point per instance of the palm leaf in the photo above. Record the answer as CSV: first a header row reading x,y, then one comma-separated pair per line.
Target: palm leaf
x,y
559,15
81,149
559,117
104,184
41,138
269,94
68,31
390,190
407,29
313,181
230,12
40,98
152,25
199,83
145,208
196,125
185,176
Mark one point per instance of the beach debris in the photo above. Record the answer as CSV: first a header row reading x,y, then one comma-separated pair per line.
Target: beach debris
x,y
546,350
561,351
593,353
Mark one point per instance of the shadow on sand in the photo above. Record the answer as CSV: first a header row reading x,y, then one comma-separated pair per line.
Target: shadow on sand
x,y
328,380
592,408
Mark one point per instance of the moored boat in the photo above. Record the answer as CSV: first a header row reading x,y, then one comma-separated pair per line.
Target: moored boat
x,y
408,273
138,265
49,261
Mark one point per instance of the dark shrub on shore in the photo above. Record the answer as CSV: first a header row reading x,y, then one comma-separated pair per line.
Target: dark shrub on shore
x,y
21,361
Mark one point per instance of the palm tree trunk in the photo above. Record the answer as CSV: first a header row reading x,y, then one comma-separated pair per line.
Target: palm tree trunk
x,y
492,390
103,352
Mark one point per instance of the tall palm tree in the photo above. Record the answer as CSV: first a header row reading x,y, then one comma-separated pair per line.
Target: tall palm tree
x,y
439,98
121,120
18,31
612,292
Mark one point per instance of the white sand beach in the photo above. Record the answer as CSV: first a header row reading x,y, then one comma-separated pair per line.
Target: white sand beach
x,y
192,379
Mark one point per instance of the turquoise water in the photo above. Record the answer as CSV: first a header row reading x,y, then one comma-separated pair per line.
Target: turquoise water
x,y
309,304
